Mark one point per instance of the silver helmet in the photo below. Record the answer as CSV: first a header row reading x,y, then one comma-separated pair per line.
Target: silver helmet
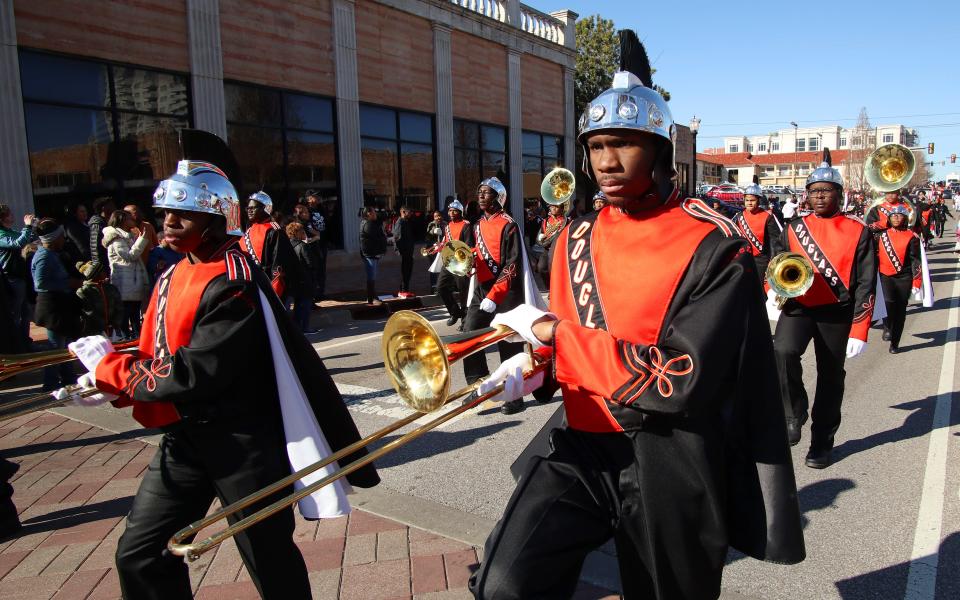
x,y
753,189
455,205
631,103
263,198
200,187
825,172
496,185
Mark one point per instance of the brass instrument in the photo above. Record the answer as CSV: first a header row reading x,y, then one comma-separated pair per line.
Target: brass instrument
x,y
44,401
558,186
912,216
457,257
418,364
426,250
889,167
789,275
15,364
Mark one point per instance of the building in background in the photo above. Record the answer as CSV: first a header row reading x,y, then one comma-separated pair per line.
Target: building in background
x,y
368,102
815,139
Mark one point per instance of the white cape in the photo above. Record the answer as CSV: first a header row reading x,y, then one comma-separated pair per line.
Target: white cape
x,y
927,284
880,304
531,293
305,441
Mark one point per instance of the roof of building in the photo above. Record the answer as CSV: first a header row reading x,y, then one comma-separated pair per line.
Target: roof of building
x,y
736,159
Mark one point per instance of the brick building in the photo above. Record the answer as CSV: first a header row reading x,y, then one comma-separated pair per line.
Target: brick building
x,y
369,102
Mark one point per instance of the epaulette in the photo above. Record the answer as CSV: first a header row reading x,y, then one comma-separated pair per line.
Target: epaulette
x,y
701,212
237,265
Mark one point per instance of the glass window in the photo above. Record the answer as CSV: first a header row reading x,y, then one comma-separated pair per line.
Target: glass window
x,y
814,144
416,164
148,149
466,134
307,112
749,147
259,153
843,142
774,146
45,77
536,164
380,173
69,149
416,128
734,148
532,144
378,122
494,138
150,91
252,105
762,147
783,170
481,152
801,145
888,138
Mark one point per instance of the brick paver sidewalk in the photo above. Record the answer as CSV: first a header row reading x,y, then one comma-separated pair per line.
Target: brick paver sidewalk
x,y
76,483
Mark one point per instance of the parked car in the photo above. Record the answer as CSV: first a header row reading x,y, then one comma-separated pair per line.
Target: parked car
x,y
727,192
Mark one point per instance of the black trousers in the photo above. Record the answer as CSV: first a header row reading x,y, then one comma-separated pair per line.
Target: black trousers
x,y
829,329
189,470
475,365
896,295
654,492
406,270
449,284
543,266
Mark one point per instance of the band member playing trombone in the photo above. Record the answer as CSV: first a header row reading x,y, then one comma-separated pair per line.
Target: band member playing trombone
x,y
898,253
835,312
240,394
674,446
457,228
759,227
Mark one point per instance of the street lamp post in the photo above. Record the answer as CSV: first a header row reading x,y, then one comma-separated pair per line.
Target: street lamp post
x,y
795,140
694,128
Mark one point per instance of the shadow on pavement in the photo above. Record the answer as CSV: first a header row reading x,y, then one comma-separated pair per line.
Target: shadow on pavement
x,y
90,441
436,442
890,582
71,517
916,424
935,339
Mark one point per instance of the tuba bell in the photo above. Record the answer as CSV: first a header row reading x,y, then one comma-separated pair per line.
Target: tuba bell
x,y
789,275
457,257
558,186
889,167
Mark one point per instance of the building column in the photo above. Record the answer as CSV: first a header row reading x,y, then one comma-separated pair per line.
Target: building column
x,y
206,66
516,137
446,179
569,120
348,121
16,189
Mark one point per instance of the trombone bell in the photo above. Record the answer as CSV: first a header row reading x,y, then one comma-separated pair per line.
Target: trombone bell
x,y
789,275
889,167
558,186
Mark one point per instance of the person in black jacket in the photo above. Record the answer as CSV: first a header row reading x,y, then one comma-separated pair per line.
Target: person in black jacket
x,y
102,208
404,241
302,289
78,234
373,245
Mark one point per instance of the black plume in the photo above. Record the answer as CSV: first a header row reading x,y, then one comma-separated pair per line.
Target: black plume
x,y
826,157
756,179
633,57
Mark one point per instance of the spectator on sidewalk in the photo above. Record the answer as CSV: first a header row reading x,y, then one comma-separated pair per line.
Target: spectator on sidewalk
x,y
58,308
14,267
160,259
404,241
318,220
78,233
125,246
302,288
102,209
434,239
101,306
145,226
373,245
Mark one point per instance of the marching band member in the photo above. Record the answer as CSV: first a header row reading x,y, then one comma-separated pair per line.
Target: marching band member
x,y
876,218
240,394
759,227
655,384
267,244
835,312
457,228
898,253
549,231
599,201
501,278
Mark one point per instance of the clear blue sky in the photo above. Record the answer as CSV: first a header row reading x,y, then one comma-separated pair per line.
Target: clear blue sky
x,y
752,67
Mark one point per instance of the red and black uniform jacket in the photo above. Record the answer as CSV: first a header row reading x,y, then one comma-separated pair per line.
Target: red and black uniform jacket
x,y
898,253
660,326
876,219
454,230
499,260
554,224
204,358
844,259
761,230
270,248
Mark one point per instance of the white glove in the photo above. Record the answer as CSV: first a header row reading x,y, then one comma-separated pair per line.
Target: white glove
x,y
91,350
521,320
855,347
510,374
917,294
773,313
87,381
488,305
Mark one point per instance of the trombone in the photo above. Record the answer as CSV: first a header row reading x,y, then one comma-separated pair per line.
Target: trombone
x,y
15,364
418,362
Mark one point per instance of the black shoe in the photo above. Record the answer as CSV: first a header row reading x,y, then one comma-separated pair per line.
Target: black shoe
x,y
793,431
819,458
453,320
513,407
894,349
886,335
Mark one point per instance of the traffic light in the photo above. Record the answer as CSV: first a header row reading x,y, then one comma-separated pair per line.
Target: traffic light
x,y
930,148
953,158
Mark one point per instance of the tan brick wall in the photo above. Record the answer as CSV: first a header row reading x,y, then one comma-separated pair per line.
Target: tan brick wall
x,y
280,43
143,32
394,58
542,104
479,70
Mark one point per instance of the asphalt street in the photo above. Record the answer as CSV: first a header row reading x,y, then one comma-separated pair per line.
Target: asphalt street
x,y
882,522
